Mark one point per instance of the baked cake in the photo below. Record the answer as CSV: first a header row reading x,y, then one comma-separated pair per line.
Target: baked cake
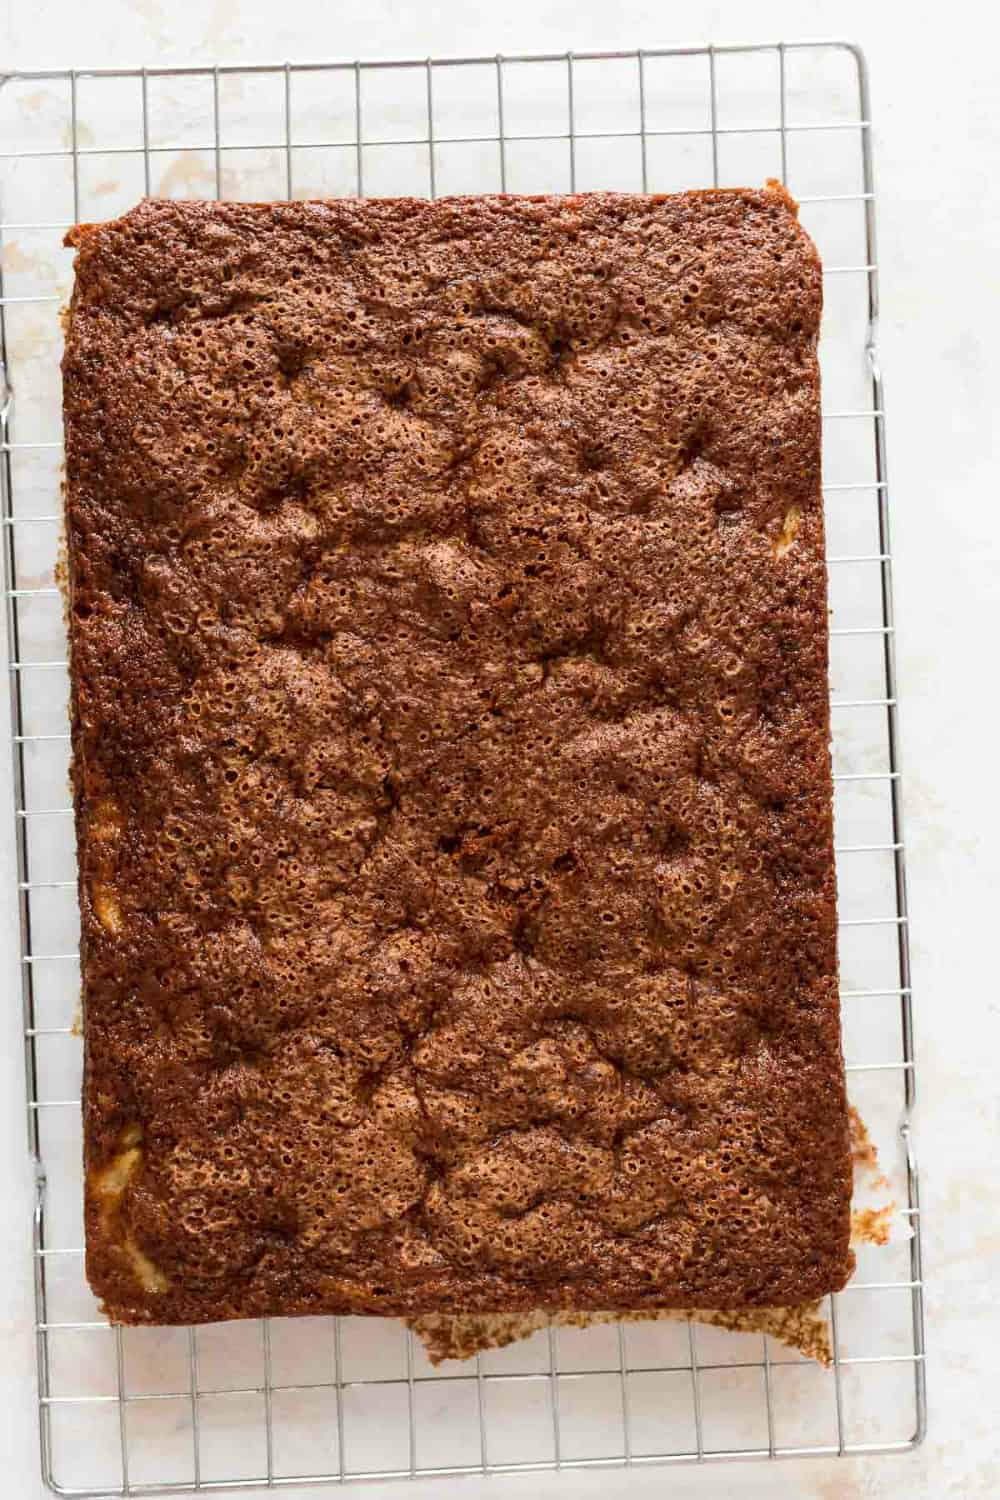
x,y
451,763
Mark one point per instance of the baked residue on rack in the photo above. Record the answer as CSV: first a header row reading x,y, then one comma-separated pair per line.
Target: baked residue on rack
x,y
802,1327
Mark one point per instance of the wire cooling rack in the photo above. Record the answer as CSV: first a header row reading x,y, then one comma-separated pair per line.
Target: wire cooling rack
x,y
142,1411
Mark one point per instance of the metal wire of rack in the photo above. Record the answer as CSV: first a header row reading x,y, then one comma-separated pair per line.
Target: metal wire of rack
x,y
153,1411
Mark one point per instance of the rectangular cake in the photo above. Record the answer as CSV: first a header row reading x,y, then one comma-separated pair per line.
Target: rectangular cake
x,y
451,757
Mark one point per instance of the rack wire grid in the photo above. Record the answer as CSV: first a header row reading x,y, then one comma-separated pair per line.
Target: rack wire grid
x,y
144,1411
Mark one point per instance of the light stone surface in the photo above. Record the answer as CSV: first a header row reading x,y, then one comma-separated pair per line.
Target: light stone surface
x,y
937,140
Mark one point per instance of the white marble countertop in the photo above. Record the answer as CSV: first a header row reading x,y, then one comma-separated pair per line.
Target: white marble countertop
x,y
937,141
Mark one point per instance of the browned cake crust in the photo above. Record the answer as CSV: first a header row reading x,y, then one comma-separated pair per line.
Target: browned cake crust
x,y
452,776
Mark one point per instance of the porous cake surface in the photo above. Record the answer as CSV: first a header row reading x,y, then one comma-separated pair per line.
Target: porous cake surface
x,y
450,728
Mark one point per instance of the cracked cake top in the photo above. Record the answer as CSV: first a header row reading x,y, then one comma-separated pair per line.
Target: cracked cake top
x,y
452,778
